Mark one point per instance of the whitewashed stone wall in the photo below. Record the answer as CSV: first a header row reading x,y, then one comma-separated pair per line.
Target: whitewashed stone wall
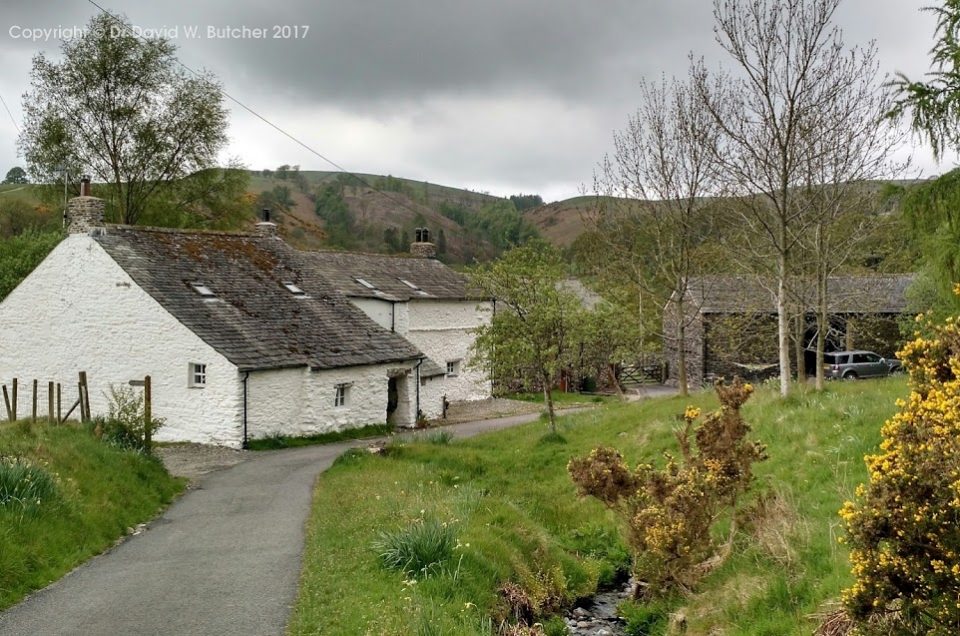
x,y
432,391
299,402
389,315
80,311
442,329
379,311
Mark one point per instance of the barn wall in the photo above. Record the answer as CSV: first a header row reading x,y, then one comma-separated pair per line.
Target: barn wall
x,y
442,329
79,311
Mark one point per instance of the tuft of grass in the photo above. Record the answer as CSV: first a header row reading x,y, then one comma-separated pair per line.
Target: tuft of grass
x,y
417,549
97,491
24,485
439,438
273,442
521,523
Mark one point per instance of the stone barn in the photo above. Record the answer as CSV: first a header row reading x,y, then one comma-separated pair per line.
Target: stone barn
x,y
731,323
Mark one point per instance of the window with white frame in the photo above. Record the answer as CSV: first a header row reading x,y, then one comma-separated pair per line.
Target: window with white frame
x,y
453,368
340,399
198,375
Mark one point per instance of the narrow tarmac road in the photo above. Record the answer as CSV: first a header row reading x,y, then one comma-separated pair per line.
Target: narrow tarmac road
x,y
224,559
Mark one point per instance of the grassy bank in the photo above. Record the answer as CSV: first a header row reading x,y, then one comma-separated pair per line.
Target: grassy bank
x,y
516,519
98,492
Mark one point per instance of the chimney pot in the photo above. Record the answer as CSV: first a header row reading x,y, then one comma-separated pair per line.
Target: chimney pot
x,y
422,247
265,217
85,185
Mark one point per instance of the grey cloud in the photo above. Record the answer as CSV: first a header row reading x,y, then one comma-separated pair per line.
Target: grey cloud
x,y
384,59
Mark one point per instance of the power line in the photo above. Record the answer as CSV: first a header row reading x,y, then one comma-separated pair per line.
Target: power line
x,y
7,108
256,114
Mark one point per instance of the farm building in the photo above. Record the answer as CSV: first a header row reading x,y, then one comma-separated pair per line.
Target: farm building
x,y
731,323
242,335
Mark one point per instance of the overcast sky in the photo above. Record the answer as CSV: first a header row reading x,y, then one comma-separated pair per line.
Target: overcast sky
x,y
504,96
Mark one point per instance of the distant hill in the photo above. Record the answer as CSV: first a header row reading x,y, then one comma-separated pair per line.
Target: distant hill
x,y
383,211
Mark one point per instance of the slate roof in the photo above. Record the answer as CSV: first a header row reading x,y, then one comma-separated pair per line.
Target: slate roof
x,y
431,278
874,293
253,319
430,369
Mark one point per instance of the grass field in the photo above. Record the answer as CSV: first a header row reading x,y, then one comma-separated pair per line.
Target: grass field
x,y
516,518
100,491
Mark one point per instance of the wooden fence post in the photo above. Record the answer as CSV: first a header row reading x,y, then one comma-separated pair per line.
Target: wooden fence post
x,y
147,413
33,411
59,405
14,400
6,403
84,398
50,402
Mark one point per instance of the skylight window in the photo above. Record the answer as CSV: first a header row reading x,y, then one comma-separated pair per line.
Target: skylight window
x,y
366,284
409,284
293,289
203,290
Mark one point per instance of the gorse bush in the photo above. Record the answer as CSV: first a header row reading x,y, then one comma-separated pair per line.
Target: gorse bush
x,y
902,527
24,486
670,511
417,549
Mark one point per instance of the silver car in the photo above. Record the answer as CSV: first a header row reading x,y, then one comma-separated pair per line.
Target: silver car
x,y
850,365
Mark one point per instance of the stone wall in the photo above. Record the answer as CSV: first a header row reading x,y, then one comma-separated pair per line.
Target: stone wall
x,y
84,214
298,402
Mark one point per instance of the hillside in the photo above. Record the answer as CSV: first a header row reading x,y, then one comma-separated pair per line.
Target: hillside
x,y
377,213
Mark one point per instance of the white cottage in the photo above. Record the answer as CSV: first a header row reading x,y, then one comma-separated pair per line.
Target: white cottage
x,y
243,336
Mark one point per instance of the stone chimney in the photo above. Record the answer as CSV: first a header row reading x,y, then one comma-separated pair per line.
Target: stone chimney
x,y
421,246
85,212
266,227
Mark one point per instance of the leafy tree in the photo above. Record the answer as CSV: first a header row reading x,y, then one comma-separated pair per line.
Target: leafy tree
x,y
339,221
391,236
441,242
282,172
654,212
278,199
16,175
525,202
934,106
932,215
902,526
122,109
530,336
215,198
20,255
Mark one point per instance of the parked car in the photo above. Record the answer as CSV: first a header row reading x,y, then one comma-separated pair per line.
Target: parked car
x,y
850,365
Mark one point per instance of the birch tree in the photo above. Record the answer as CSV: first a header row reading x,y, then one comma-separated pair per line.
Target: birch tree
x,y
790,65
851,143
656,185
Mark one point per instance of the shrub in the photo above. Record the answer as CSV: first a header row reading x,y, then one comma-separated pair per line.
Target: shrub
x,y
24,485
902,526
123,426
669,512
417,549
